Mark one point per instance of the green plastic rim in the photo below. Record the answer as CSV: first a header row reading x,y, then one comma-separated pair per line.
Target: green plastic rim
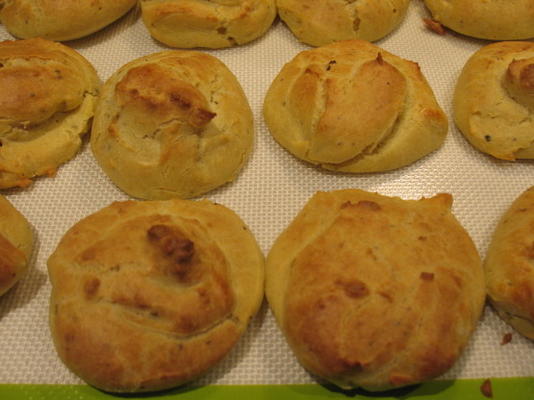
x,y
464,389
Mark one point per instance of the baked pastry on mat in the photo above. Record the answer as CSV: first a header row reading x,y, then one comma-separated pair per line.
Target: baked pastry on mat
x,y
48,93
172,124
486,19
147,295
60,19
353,107
16,243
374,291
508,265
320,22
494,100
211,24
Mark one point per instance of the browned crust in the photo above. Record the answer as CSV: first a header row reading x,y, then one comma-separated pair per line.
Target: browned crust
x,y
353,107
47,96
149,295
172,124
374,291
509,265
214,24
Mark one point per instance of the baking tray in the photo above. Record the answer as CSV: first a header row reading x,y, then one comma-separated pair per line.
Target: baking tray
x,y
269,192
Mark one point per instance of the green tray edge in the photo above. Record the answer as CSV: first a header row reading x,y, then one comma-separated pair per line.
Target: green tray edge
x,y
464,389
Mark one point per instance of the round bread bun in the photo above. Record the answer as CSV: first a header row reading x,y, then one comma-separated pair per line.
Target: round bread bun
x,y
486,19
60,19
373,291
213,24
352,107
16,243
172,124
48,93
320,22
494,100
149,295
508,265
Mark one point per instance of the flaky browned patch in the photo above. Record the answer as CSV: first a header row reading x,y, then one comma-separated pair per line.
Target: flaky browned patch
x,y
519,81
175,248
354,288
172,244
506,338
367,204
427,276
91,287
434,26
150,89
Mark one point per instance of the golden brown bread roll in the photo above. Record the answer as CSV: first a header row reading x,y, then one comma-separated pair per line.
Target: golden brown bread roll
x,y
172,124
494,100
16,243
149,295
48,93
212,24
487,19
60,19
353,107
374,291
508,265
319,22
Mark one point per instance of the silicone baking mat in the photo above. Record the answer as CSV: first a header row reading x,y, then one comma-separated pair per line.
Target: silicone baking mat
x,y
268,193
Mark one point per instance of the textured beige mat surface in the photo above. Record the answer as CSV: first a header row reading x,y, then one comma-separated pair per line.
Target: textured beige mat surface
x,y
268,193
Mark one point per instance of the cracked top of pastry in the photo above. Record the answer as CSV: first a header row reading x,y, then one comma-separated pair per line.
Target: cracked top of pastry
x,y
353,107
